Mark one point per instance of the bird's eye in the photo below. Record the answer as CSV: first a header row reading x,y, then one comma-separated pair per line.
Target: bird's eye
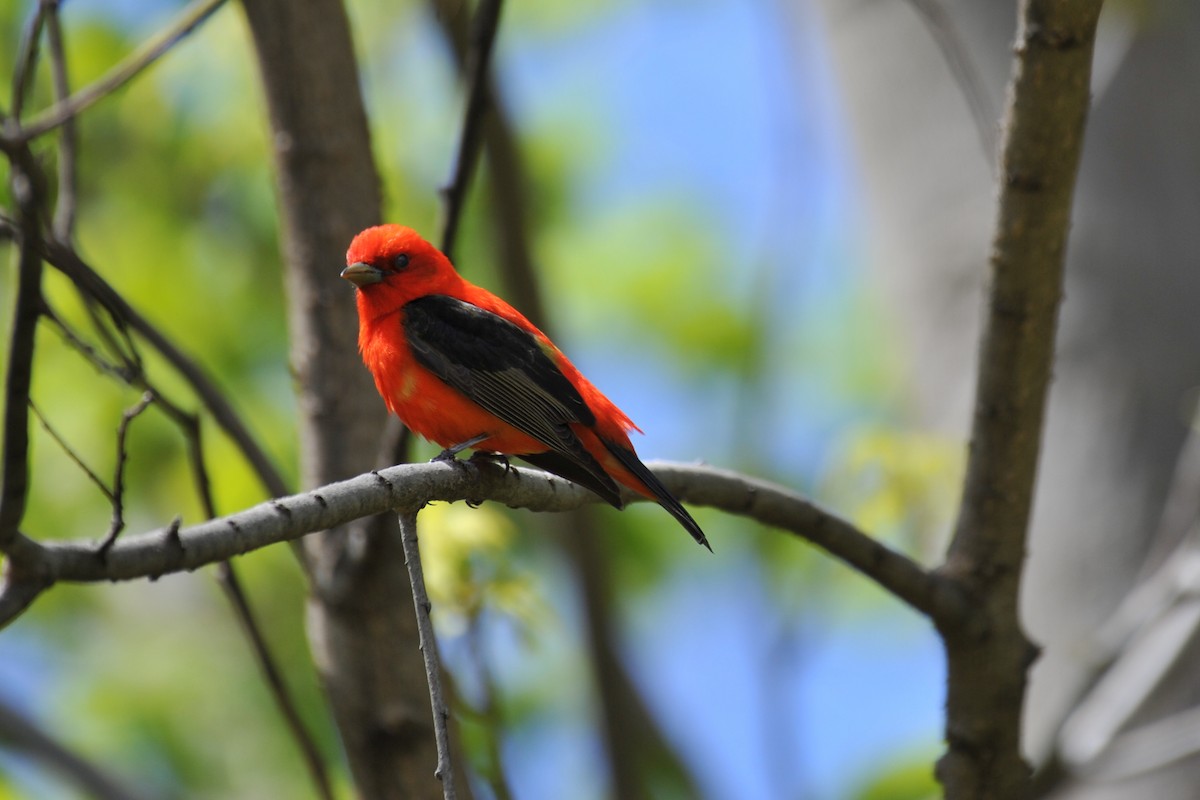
x,y
400,261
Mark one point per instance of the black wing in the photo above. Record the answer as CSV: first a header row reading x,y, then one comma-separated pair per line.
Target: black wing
x,y
505,370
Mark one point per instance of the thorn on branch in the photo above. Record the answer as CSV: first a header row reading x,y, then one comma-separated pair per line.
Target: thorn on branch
x,y
751,497
174,544
172,535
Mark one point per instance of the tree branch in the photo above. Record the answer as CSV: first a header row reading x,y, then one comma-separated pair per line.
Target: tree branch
x,y
411,486
483,37
14,484
65,204
429,652
988,661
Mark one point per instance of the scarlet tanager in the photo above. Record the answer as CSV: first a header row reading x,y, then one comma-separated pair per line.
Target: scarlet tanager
x,y
464,369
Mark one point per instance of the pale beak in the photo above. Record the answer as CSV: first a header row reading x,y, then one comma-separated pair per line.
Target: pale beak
x,y
362,274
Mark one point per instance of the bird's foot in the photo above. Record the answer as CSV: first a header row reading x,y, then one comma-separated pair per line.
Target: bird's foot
x,y
450,453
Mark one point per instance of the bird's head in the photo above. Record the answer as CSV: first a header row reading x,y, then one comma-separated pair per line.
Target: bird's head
x,y
392,264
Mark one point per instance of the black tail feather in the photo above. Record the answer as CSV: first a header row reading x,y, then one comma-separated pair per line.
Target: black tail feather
x,y
631,462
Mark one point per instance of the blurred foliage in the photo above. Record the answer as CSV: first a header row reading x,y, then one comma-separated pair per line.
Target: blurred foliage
x,y
468,569
910,779
177,212
899,485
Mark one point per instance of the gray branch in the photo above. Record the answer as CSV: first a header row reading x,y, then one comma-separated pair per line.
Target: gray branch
x,y
429,652
408,487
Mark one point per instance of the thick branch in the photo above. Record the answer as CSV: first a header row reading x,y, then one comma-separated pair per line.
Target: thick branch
x,y
410,486
1047,107
14,483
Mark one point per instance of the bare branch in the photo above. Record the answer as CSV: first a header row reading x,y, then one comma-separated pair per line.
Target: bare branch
x,y
506,180
76,459
429,652
118,491
483,37
410,486
14,484
75,340
989,660
118,76
64,206
27,59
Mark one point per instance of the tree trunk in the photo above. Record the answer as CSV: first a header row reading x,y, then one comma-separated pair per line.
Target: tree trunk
x,y
360,617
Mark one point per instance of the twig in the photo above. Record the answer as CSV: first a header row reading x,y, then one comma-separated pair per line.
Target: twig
x,y
70,452
483,37
75,340
118,76
429,652
65,203
118,488
96,291
506,180
27,59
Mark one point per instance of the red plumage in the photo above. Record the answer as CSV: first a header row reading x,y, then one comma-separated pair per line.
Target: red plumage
x,y
456,363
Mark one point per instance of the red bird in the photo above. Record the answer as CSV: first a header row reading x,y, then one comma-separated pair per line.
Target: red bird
x,y
464,369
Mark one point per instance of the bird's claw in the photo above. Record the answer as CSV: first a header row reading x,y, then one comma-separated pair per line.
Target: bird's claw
x,y
495,458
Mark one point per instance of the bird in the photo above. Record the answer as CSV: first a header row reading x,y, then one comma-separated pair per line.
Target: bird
x,y
464,369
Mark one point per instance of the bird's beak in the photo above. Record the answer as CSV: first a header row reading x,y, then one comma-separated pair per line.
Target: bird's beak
x,y
362,274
